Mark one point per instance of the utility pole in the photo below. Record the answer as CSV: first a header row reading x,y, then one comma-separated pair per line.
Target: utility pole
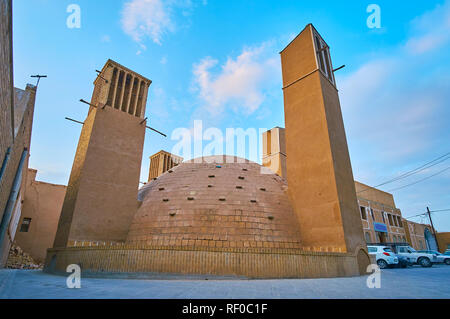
x,y
434,231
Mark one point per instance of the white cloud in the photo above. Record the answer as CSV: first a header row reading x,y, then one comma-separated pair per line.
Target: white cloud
x,y
433,30
240,83
426,43
359,86
153,19
146,18
387,113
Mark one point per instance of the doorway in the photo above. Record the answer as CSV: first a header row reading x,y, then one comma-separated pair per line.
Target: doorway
x,y
381,237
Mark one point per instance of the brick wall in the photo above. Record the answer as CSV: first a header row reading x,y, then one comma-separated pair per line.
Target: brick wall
x,y
21,141
6,80
251,263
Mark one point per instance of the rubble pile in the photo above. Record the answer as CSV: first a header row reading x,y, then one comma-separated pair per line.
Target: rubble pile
x,y
18,259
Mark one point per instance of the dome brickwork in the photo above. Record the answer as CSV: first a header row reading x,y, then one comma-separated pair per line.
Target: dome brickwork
x,y
216,202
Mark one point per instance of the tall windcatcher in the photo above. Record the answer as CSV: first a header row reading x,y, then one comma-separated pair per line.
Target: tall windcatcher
x,y
161,162
101,196
319,172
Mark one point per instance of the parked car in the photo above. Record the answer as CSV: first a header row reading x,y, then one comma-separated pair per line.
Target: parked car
x,y
403,261
415,257
384,256
441,258
405,250
447,252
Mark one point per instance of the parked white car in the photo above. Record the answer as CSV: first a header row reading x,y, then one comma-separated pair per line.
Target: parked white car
x,y
441,258
384,256
415,257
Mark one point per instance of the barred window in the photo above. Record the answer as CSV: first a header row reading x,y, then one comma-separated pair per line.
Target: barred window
x,y
25,225
323,57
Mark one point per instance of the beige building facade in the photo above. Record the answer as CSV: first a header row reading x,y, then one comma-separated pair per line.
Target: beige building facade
x,y
443,241
41,208
381,220
420,236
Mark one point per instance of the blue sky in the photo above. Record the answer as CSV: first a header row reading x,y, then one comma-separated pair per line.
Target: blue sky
x,y
218,61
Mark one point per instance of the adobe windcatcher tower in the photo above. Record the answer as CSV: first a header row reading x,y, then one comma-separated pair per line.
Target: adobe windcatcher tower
x,y
319,173
161,162
101,196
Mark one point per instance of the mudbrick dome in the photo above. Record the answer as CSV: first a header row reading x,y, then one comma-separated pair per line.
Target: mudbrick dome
x,y
219,201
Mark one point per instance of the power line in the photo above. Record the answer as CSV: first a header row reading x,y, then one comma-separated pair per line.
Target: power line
x,y
415,216
432,163
420,180
417,170
431,211
440,210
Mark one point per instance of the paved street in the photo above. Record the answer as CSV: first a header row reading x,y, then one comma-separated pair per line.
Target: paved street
x,y
415,282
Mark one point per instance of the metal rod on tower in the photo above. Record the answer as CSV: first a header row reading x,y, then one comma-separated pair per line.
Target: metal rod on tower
x,y
68,118
342,66
100,76
151,128
86,102
38,76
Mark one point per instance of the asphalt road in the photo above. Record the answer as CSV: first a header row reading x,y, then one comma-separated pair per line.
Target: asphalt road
x,y
413,282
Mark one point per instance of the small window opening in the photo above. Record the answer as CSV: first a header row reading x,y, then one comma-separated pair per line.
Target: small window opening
x,y
25,225
363,212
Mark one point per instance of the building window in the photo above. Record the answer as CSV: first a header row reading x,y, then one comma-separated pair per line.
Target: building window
x,y
390,220
363,212
25,225
371,213
382,215
367,235
399,220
